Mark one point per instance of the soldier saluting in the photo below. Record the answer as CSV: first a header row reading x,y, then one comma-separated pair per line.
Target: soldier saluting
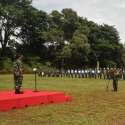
x,y
18,73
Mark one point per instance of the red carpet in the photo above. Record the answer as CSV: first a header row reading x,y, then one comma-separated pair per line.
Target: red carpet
x,y
9,100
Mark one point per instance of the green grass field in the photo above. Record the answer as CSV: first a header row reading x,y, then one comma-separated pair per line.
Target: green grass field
x,y
91,104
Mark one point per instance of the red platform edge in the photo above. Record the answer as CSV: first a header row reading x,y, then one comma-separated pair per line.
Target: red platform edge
x,y
9,100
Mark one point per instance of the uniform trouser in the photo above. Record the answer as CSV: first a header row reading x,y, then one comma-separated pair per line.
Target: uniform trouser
x,y
18,83
115,84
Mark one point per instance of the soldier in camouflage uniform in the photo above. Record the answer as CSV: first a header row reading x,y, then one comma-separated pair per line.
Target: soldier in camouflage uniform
x,y
18,73
114,75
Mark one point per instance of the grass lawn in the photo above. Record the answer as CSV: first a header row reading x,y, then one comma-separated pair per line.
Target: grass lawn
x,y
91,104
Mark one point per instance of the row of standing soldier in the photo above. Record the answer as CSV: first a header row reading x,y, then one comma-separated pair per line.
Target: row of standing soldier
x,y
113,73
86,73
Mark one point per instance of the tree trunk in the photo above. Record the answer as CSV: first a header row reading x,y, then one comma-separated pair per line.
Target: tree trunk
x,y
4,43
3,51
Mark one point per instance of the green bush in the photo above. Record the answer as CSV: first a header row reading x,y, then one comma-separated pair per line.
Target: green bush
x,y
6,65
109,63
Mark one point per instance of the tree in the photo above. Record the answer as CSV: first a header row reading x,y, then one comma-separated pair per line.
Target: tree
x,y
80,49
55,38
104,41
33,32
70,23
123,56
10,17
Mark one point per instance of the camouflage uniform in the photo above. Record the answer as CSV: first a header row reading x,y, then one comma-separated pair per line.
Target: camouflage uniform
x,y
18,75
114,75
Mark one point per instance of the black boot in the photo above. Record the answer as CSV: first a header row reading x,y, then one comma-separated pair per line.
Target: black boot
x,y
17,91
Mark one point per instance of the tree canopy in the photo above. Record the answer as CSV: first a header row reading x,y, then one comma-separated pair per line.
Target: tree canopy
x,y
63,39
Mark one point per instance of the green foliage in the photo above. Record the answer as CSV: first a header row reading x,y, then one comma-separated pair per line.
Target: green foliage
x,y
70,23
11,12
66,52
60,38
123,57
108,63
6,65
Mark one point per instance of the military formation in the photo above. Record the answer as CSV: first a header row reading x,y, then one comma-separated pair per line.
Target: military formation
x,y
102,73
113,74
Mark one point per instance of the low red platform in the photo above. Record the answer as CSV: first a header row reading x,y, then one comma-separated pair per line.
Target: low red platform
x,y
9,100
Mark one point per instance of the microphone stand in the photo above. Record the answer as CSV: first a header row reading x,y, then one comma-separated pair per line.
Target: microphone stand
x,y
35,85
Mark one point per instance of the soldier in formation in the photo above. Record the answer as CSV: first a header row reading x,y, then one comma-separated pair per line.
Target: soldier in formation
x,y
101,73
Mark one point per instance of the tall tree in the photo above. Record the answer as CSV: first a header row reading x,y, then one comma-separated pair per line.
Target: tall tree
x,y
10,17
55,36
33,33
80,49
70,23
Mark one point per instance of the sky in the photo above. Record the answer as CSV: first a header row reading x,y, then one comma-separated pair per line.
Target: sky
x,y
110,12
